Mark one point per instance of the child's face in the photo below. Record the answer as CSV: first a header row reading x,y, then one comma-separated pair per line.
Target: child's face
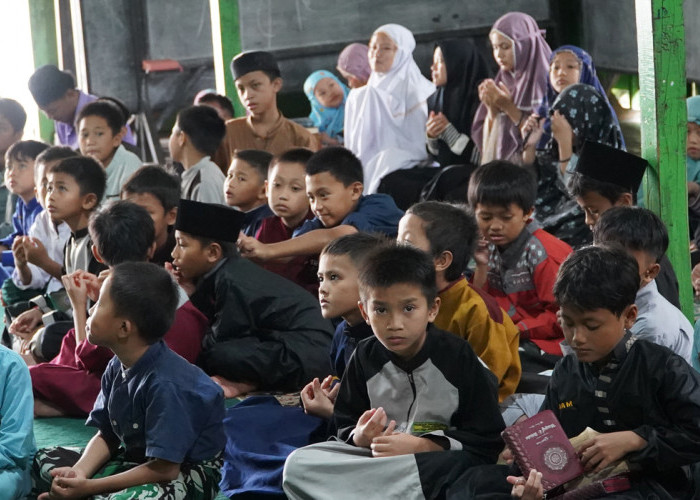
x,y
438,71
399,316
286,192
103,325
175,143
63,199
161,218
243,187
565,70
502,51
593,205
328,93
330,200
338,292
63,108
411,231
693,143
40,180
8,135
257,92
19,177
382,51
97,139
593,334
501,225
190,257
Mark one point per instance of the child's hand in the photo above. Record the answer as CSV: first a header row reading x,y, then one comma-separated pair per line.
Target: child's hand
x,y
604,449
561,129
695,279
482,253
329,389
35,251
316,400
68,482
76,288
532,130
436,125
391,444
18,252
528,490
26,323
370,425
327,140
251,248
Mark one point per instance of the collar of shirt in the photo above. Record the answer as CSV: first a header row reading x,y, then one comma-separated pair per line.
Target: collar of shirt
x,y
145,362
513,252
272,131
645,295
80,233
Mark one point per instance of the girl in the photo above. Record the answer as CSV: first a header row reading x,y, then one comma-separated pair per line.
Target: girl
x,y
522,55
567,65
385,120
580,113
327,96
353,64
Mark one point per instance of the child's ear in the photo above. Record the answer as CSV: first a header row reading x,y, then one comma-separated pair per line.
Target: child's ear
x,y
443,261
630,315
652,272
151,250
433,310
96,254
214,252
357,188
126,329
262,194
625,200
361,306
277,84
528,214
171,216
90,201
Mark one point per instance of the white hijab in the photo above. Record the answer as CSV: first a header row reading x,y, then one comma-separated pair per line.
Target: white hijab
x,y
385,120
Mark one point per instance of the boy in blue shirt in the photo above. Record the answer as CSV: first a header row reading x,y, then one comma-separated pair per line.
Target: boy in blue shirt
x,y
334,185
159,418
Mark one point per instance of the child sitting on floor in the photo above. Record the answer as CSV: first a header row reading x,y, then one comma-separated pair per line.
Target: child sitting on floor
x,y
102,126
411,388
334,188
517,262
244,187
196,135
154,189
267,333
449,234
327,95
158,418
286,196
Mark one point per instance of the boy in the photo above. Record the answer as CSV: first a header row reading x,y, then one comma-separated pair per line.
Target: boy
x,y
196,135
154,189
160,412
244,187
518,262
449,234
69,384
643,235
54,92
410,389
75,187
334,188
286,197
221,103
102,126
643,398
338,292
605,177
258,80
267,333
19,179
12,121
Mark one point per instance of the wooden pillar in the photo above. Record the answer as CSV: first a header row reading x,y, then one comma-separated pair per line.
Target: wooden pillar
x,y
226,39
42,21
661,42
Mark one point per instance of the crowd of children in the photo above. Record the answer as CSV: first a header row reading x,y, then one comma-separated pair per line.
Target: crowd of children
x,y
378,352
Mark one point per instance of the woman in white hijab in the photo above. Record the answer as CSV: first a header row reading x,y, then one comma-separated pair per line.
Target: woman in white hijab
x,y
385,120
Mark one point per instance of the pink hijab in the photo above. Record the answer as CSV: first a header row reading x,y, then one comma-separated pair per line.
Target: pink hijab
x,y
353,60
527,82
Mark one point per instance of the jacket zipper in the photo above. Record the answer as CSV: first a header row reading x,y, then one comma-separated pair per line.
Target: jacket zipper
x,y
413,388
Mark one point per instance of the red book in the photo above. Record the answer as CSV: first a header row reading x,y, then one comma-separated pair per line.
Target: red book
x,y
540,443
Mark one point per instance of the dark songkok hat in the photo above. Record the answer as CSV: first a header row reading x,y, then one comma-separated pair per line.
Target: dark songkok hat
x,y
48,83
208,220
615,166
256,60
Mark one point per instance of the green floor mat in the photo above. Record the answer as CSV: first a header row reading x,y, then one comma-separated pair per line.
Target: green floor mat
x,y
62,432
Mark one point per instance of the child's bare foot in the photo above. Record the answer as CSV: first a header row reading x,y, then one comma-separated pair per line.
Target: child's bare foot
x,y
232,389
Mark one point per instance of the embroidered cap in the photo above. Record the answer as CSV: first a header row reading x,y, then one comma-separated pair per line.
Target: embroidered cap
x,y
607,164
256,60
209,220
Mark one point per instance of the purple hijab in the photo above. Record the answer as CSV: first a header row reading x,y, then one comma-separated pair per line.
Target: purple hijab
x,y
354,60
527,82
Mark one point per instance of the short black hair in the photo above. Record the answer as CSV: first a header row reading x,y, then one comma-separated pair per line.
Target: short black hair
x,y
399,264
581,185
634,228
259,160
87,172
228,248
25,150
52,154
156,181
357,246
296,155
598,277
122,232
14,113
221,100
450,228
108,110
502,183
146,295
341,163
203,126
